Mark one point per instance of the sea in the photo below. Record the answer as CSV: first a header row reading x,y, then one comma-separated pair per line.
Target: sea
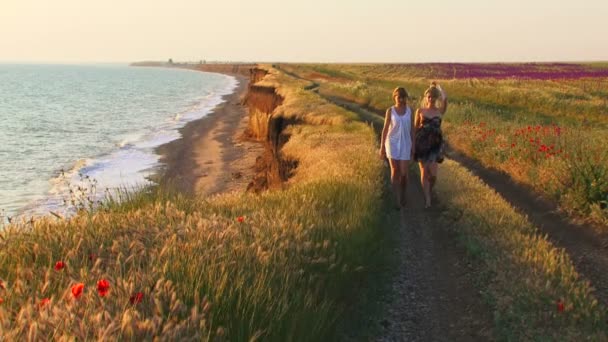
x,y
70,132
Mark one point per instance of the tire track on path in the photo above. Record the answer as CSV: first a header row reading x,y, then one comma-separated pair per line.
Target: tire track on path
x,y
587,245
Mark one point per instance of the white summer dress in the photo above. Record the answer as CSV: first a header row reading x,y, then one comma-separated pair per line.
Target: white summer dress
x,y
398,142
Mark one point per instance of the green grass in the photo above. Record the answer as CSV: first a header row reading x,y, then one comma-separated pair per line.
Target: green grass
x,y
522,275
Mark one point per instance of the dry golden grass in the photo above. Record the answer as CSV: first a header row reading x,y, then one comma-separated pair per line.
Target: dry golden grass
x,y
304,105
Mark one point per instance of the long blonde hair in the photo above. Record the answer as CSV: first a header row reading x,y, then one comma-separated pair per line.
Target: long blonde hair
x,y
435,95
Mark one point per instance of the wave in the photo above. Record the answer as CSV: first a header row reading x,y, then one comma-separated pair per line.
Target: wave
x,y
129,165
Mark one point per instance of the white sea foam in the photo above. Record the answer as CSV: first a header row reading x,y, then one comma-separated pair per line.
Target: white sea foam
x,y
128,160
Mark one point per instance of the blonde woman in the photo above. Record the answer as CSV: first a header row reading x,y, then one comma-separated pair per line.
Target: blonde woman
x,y
397,143
429,139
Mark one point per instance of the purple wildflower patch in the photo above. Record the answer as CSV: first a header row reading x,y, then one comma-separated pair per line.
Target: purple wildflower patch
x,y
534,71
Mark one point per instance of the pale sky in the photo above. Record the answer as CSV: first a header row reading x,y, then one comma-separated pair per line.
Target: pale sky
x,y
68,31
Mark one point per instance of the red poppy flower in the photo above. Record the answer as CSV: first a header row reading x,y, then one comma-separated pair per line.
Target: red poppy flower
x,y
103,287
241,219
136,298
92,257
512,145
44,302
59,265
1,300
77,290
2,285
560,306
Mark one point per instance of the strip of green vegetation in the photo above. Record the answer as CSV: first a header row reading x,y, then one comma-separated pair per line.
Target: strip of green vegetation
x,y
532,286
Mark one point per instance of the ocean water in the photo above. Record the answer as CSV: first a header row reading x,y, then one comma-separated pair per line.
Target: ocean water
x,y
61,124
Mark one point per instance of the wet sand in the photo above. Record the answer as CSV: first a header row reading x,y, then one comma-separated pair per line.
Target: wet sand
x,y
214,155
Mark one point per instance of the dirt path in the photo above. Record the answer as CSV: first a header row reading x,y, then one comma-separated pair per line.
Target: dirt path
x,y
430,294
586,245
432,297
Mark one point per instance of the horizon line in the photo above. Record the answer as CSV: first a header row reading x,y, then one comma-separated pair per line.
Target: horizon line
x,y
300,62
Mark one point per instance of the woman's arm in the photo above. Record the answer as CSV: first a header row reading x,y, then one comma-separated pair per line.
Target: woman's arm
x,y
417,118
413,133
387,122
444,99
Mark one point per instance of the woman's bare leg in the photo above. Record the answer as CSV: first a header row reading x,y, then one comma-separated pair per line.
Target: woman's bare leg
x,y
396,180
432,175
404,168
425,180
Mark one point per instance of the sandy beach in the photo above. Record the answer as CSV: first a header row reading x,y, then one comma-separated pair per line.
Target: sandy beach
x,y
214,155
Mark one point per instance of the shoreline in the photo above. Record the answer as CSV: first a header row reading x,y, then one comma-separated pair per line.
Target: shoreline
x,y
213,155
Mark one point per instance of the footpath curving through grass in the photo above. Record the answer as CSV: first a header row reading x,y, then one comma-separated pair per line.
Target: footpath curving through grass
x,y
532,287
548,132
275,266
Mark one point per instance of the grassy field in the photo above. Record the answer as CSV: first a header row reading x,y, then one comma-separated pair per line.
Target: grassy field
x,y
546,125
284,265
535,130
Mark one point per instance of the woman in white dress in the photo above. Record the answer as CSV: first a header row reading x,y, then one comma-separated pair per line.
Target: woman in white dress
x,y
397,143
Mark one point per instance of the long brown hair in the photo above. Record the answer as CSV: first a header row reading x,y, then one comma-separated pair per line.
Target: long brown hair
x,y
401,92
